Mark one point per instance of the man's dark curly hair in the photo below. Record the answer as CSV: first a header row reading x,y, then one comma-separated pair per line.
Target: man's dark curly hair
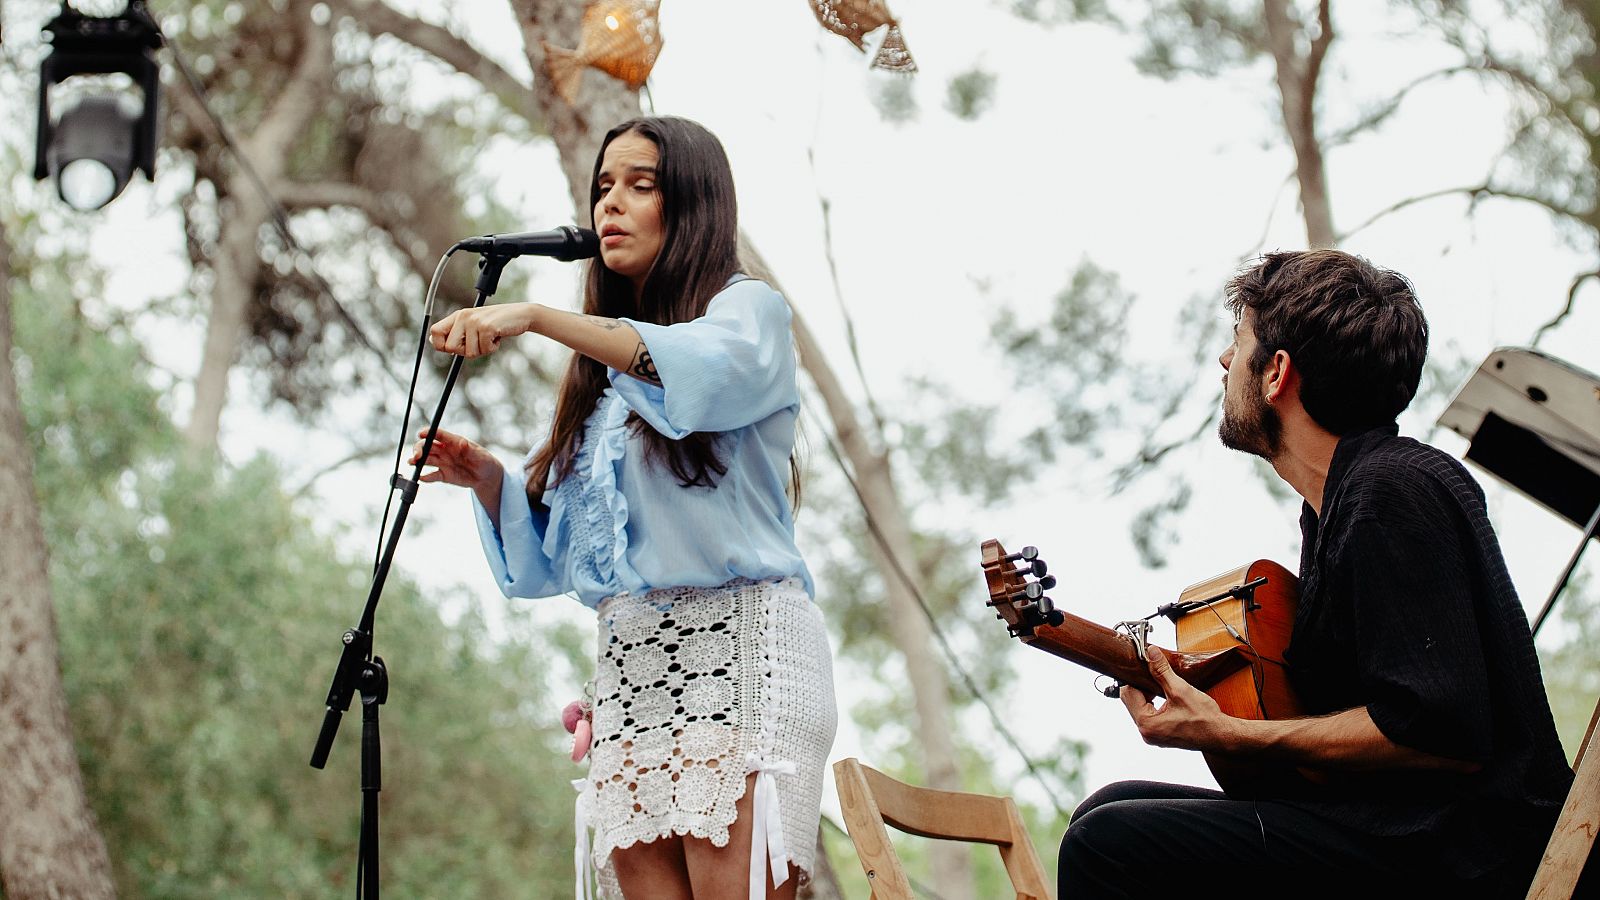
x,y
1353,330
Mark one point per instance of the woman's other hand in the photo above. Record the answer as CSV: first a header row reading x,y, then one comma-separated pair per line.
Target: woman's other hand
x,y
478,331
458,461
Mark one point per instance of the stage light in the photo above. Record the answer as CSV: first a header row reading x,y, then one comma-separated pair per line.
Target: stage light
x,y
92,148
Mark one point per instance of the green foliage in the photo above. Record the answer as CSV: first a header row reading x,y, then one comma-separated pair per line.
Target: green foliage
x,y
1541,52
971,93
1203,37
1049,12
199,616
413,155
1072,371
895,100
1571,668
1153,529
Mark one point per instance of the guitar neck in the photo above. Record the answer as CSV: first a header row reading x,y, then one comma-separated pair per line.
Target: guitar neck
x,y
1095,647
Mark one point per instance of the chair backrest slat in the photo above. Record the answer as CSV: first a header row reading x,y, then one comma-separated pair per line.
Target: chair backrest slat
x,y
869,799
1573,837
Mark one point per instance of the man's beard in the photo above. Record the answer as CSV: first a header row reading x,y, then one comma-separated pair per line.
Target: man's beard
x,y
1258,430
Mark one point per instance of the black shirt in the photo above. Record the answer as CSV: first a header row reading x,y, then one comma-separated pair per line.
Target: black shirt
x,y
1406,608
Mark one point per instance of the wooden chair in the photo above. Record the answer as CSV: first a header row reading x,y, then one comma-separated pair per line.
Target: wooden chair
x,y
869,799
1574,835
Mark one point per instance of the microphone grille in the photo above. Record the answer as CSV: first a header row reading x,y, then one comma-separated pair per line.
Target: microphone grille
x,y
582,243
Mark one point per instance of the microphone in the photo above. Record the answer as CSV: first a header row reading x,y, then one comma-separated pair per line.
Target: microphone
x,y
566,243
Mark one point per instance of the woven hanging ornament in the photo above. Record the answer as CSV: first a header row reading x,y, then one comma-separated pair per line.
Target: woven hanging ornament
x,y
620,38
854,19
892,53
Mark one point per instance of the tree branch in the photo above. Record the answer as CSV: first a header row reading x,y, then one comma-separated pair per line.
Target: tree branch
x,y
1149,454
376,17
267,146
1297,84
297,196
838,293
1475,193
360,454
1392,105
1314,58
1572,296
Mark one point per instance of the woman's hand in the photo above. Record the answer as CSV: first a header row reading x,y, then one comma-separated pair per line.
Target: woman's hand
x,y
478,332
458,461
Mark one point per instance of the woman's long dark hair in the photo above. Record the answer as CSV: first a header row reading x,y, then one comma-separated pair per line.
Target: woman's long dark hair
x,y
699,253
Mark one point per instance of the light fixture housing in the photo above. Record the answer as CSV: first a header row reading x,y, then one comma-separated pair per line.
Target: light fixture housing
x,y
98,137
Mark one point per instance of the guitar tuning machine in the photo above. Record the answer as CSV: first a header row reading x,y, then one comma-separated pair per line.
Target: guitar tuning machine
x,y
1033,590
1048,612
1029,553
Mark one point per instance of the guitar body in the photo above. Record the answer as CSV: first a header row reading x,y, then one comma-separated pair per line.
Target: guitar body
x,y
1261,690
1244,674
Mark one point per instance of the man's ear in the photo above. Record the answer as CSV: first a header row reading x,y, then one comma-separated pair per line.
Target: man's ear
x,y
1279,377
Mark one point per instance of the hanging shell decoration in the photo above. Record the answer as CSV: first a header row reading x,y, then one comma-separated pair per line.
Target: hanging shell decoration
x,y
619,37
854,19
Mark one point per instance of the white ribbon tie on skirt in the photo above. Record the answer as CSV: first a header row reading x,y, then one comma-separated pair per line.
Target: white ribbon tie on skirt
x,y
582,863
766,826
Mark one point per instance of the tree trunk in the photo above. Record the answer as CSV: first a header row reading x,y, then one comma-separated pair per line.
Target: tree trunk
x,y
233,278
892,543
911,633
245,212
1297,76
577,128
50,846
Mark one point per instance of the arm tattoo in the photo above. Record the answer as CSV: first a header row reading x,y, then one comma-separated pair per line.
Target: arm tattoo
x,y
603,322
644,367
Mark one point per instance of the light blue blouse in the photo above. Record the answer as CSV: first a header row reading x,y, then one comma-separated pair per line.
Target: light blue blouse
x,y
621,524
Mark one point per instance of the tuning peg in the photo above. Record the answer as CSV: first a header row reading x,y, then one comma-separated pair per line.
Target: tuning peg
x,y
1030,591
1047,582
1052,616
1026,553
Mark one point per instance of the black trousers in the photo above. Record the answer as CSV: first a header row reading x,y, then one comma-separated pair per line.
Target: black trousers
x,y
1139,839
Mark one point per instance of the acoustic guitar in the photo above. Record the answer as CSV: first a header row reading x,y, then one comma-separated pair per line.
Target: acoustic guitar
x,y
1231,634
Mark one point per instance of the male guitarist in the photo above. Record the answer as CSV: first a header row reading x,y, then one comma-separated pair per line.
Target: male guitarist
x,y
1411,651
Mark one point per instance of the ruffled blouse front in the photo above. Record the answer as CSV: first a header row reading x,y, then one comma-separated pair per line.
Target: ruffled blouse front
x,y
622,524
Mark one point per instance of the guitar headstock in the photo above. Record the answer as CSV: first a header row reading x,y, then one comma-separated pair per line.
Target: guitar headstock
x,y
1016,600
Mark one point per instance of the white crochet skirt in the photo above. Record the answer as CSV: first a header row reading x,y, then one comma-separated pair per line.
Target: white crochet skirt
x,y
695,689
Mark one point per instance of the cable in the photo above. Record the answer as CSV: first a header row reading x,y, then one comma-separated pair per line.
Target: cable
x,y
933,624
411,397
280,216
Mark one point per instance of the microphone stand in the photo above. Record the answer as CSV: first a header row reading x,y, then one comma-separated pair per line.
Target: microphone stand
x,y
358,669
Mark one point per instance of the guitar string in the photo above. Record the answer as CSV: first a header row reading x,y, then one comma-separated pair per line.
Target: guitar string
x,y
933,624
1257,676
